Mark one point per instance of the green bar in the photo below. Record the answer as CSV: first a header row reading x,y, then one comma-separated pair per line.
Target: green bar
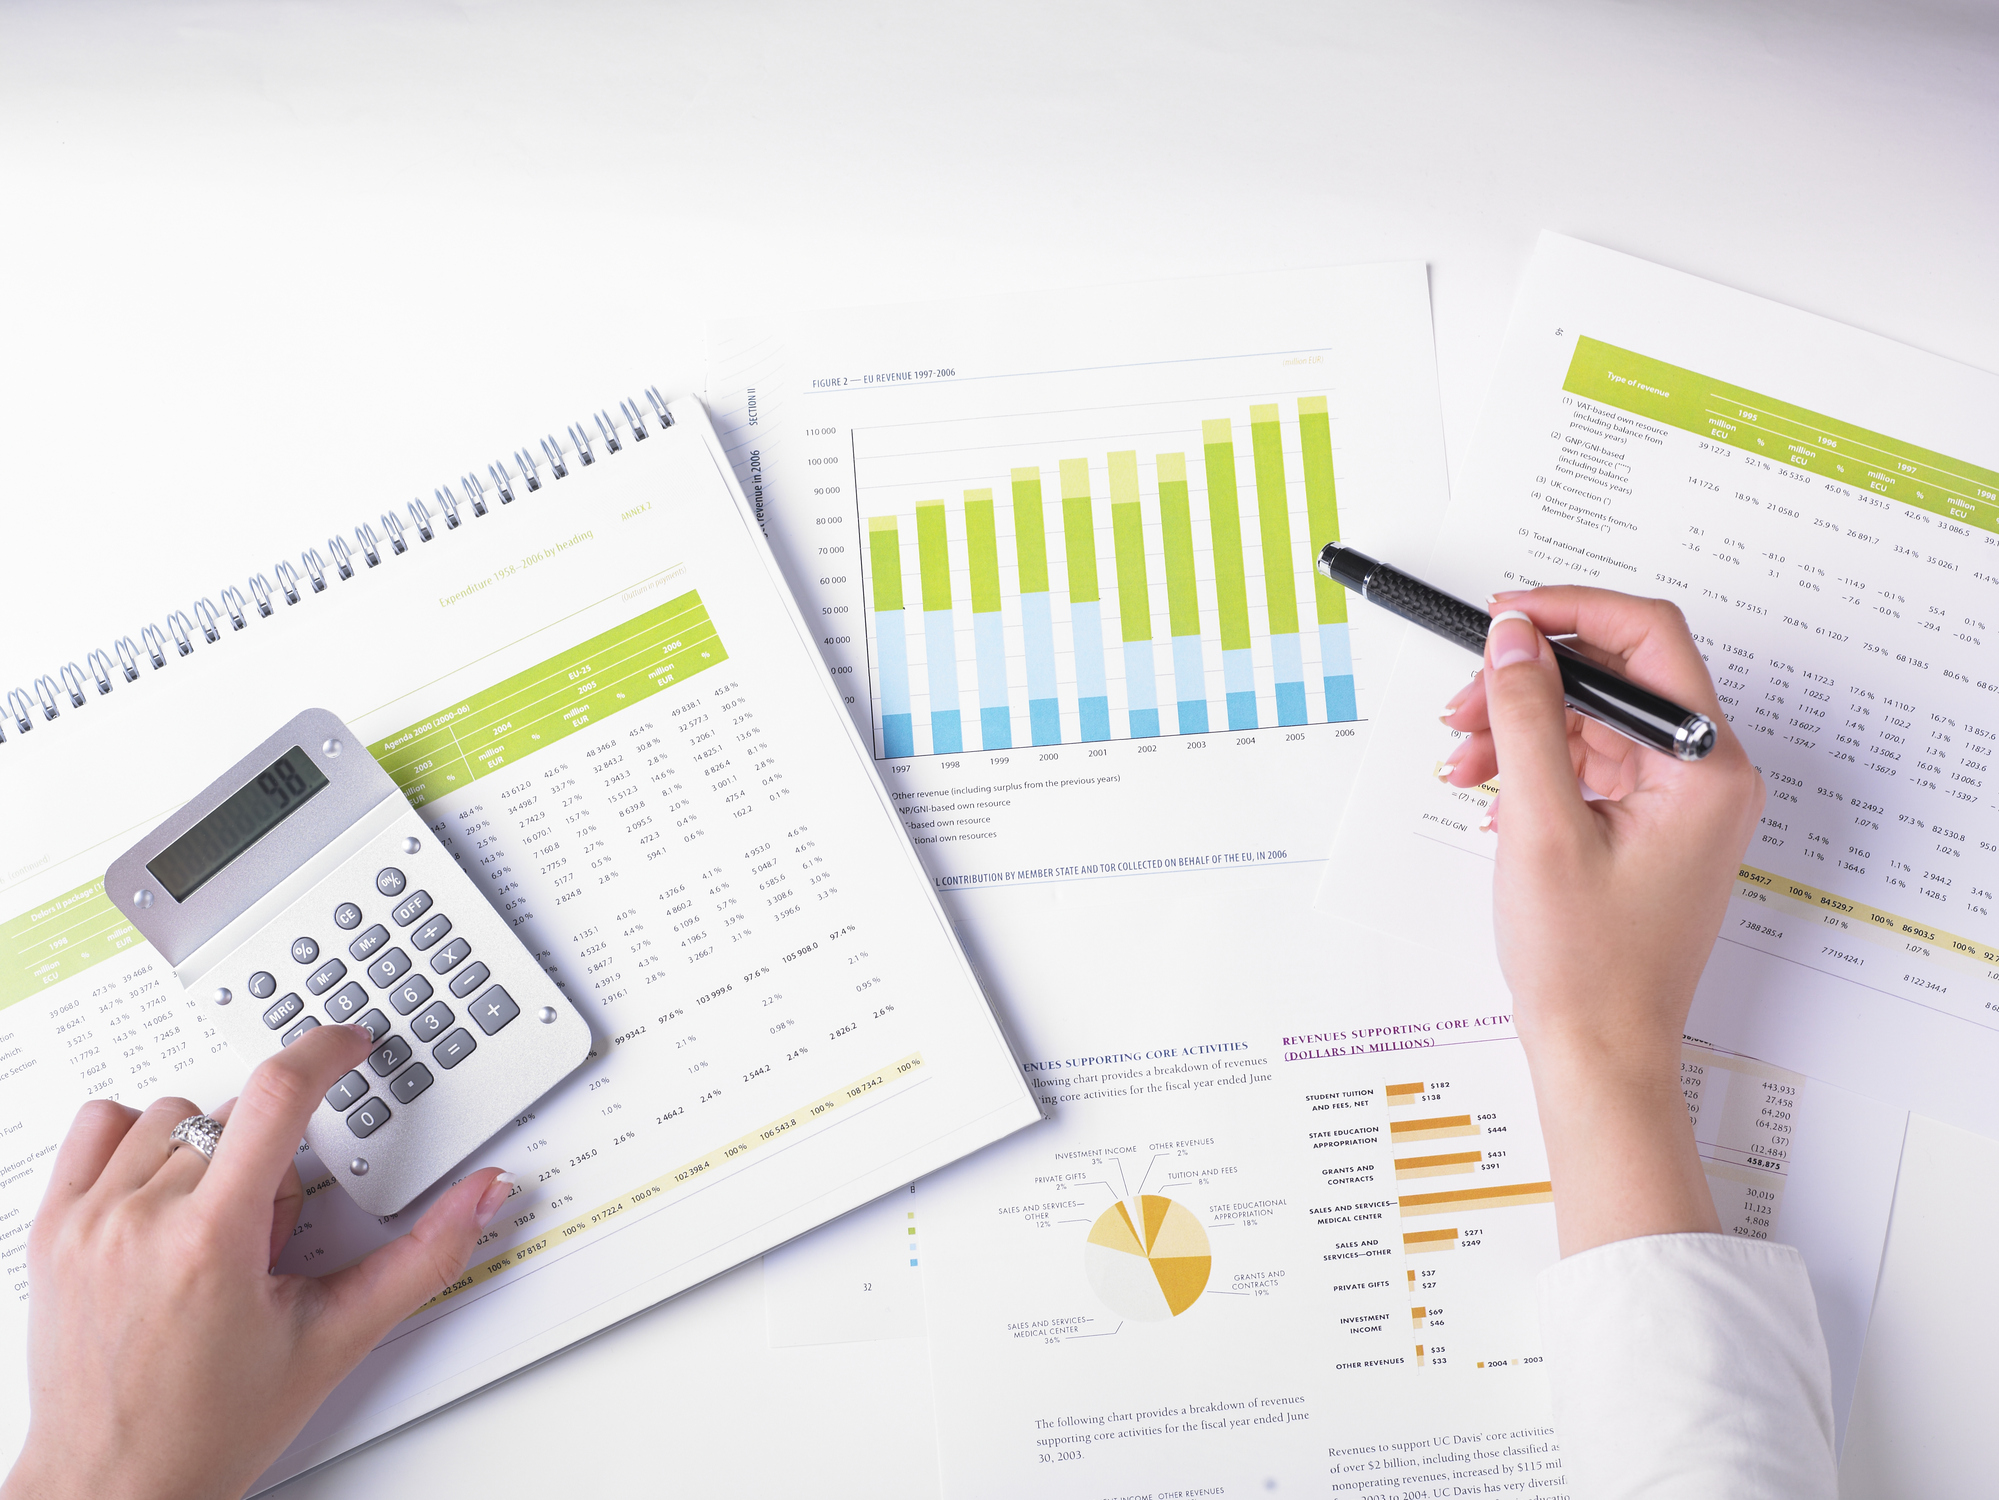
x,y
1079,531
982,547
1030,537
60,939
1128,536
1322,511
1273,515
933,555
1176,525
551,700
1225,528
885,561
1786,434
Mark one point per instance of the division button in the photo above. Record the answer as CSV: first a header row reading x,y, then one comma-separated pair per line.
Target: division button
x,y
454,1049
387,969
283,1011
263,985
300,1030
347,916
430,1025
413,1082
411,993
304,950
390,881
391,1055
469,979
411,907
349,1092
494,1009
325,976
346,1002
450,956
369,1118
368,942
377,1024
430,932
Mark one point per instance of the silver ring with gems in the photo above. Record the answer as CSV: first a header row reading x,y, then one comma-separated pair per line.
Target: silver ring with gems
x,y
198,1131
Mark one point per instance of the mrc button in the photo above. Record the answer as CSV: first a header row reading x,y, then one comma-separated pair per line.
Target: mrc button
x,y
283,1011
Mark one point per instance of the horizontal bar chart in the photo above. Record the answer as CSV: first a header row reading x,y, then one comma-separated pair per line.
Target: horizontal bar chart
x,y
1429,1241
1436,1128
1402,1095
1438,1166
1114,593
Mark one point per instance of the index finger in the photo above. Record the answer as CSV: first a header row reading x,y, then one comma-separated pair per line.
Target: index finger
x,y
271,1113
1646,639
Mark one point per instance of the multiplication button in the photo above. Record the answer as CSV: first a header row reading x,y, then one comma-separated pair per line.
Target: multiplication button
x,y
450,956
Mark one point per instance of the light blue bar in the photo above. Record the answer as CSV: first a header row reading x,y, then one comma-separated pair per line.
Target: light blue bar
x,y
995,722
940,642
1239,682
1190,684
1093,701
1336,661
1287,664
1141,689
1044,721
892,673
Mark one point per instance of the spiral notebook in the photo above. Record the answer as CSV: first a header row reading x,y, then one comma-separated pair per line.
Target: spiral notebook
x,y
585,672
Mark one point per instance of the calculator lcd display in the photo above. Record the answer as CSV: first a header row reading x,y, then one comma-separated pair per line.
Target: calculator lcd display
x,y
206,849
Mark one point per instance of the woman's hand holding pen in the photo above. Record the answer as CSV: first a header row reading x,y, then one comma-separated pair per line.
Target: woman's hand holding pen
x,y
1605,910
165,1358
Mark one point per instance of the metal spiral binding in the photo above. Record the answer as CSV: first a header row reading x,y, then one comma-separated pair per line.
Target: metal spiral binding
x,y
122,662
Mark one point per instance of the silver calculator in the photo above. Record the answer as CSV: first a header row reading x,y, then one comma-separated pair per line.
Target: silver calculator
x,y
301,888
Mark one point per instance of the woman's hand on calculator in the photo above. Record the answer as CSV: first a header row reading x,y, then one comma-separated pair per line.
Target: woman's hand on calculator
x,y
164,1355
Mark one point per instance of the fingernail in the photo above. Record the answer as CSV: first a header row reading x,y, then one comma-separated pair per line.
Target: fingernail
x,y
1491,820
1505,594
1451,762
359,1030
497,1192
1459,697
1512,639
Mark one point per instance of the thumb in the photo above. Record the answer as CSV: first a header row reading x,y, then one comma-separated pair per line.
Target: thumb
x,y
1530,727
373,1295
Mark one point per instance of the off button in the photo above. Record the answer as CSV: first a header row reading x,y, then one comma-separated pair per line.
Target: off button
x,y
390,882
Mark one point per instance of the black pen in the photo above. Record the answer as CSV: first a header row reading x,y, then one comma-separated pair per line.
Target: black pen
x,y
1590,689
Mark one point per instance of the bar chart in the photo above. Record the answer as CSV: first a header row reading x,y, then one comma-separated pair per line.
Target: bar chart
x,y
1104,593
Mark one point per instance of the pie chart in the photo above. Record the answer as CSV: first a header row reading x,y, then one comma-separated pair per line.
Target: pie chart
x,y
1151,1268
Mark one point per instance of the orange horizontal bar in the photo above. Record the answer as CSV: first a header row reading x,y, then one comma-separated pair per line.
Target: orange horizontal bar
x,y
1437,1122
1453,1159
1404,1088
1426,1236
1490,1197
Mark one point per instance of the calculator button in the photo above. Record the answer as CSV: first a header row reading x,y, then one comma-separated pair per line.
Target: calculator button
x,y
411,907
369,1118
304,950
430,932
390,967
368,942
494,1009
301,1029
450,956
349,1092
391,1055
411,993
390,882
413,1082
454,1049
283,1011
344,1002
467,980
347,916
430,1025
377,1024
263,985
325,976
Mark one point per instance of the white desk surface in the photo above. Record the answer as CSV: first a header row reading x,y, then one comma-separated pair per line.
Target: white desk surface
x,y
270,270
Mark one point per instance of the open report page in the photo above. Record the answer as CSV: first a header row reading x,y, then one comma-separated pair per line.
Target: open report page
x,y
602,700
1057,551
1823,505
1284,1226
